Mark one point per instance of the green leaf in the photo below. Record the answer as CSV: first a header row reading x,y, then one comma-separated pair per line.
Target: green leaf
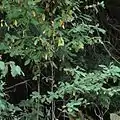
x,y
15,70
101,30
27,62
5,71
35,22
3,46
86,17
2,105
2,65
18,70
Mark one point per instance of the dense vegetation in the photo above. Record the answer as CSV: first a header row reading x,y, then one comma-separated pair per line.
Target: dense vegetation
x,y
58,61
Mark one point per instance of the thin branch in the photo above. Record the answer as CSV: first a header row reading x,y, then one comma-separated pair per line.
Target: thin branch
x,y
98,115
39,79
11,87
109,53
52,86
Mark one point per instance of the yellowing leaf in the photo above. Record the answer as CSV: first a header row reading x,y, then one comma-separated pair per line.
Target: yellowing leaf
x,y
81,45
62,24
60,42
15,23
1,24
43,17
46,56
34,14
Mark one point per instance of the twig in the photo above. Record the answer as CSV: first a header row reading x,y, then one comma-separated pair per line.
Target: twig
x,y
109,53
39,79
52,86
11,87
100,115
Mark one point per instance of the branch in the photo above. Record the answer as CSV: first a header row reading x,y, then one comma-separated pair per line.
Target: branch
x,y
11,87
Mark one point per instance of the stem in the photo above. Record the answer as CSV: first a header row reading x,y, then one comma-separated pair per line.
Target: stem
x,y
64,112
52,87
38,109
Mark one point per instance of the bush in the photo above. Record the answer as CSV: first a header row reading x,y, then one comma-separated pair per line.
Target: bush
x,y
50,43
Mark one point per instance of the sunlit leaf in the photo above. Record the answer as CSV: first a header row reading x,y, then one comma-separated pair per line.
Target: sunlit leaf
x,y
60,42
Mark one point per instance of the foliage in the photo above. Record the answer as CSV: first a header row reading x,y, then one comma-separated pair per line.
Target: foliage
x,y
86,88
51,39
